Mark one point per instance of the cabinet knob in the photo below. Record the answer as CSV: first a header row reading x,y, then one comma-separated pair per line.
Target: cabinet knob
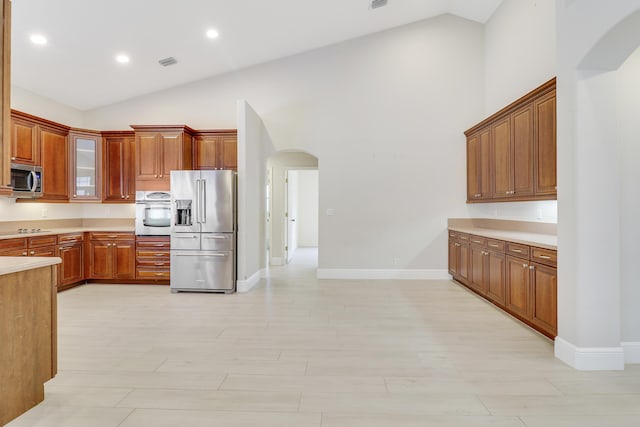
x,y
13,158
524,266
75,195
122,196
127,196
532,267
24,254
32,252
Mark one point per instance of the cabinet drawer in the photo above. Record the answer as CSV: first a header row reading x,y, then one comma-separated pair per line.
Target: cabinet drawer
x,y
478,241
495,245
13,244
15,252
544,256
43,251
453,234
152,245
148,273
111,236
463,237
149,253
155,264
34,242
518,250
70,238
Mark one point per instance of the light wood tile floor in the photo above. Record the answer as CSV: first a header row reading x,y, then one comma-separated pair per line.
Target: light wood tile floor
x,y
297,351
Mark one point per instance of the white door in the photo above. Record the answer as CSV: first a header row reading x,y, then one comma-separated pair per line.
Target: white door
x,y
291,212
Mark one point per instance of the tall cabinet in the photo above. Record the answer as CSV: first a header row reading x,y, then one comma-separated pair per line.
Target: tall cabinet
x,y
118,170
85,154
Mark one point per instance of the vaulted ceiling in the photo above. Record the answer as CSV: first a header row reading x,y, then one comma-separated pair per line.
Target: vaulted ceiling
x,y
77,66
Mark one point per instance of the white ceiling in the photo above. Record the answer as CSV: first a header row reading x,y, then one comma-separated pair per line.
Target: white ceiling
x,y
77,66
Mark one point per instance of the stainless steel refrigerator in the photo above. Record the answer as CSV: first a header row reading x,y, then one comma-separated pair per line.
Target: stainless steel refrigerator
x,y
203,231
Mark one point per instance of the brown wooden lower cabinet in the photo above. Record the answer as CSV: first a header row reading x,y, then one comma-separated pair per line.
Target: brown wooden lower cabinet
x,y
153,258
520,279
71,251
111,256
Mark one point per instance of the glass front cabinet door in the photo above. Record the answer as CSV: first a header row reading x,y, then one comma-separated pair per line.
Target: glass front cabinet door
x,y
85,177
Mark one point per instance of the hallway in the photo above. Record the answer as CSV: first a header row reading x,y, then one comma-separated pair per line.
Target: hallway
x,y
298,351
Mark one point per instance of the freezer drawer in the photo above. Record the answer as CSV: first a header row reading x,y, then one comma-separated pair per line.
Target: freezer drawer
x,y
217,241
202,271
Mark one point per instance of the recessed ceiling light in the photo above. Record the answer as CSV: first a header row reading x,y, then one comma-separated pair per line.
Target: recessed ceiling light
x,y
123,59
212,34
38,39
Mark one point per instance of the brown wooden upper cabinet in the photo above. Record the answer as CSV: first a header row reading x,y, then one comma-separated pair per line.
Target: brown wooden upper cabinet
x,y
25,144
159,150
511,155
85,157
118,173
216,150
36,141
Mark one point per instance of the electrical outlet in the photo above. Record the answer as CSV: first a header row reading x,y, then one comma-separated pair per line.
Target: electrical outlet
x,y
396,261
44,212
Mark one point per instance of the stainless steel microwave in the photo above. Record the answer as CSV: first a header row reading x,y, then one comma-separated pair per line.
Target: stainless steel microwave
x,y
26,181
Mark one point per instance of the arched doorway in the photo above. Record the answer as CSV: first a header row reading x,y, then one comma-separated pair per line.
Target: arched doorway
x,y
598,106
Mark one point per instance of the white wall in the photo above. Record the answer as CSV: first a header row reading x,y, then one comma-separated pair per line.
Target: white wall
x,y
11,211
28,102
520,46
307,208
384,113
628,108
520,55
590,49
254,146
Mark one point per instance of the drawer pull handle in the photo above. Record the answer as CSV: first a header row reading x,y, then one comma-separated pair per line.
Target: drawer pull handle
x,y
159,254
517,250
493,245
544,256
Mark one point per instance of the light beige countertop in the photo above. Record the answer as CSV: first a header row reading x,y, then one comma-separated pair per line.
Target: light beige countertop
x,y
527,233
63,230
14,264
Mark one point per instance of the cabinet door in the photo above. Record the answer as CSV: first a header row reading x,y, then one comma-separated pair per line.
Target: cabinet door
x,y
485,163
501,158
522,142
86,161
544,286
495,277
517,287
24,142
477,269
118,174
55,165
206,152
124,259
72,268
170,154
463,262
147,156
473,168
229,144
100,260
453,257
545,144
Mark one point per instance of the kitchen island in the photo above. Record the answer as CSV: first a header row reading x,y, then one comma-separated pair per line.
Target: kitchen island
x,y
28,332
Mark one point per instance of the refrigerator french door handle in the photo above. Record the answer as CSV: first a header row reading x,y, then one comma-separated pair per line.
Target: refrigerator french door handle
x,y
197,201
204,201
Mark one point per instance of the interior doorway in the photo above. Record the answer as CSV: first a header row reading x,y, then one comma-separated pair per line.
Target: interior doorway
x,y
301,215
292,206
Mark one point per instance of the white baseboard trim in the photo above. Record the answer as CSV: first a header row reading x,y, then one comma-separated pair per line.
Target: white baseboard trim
x,y
631,352
589,358
276,260
381,274
246,285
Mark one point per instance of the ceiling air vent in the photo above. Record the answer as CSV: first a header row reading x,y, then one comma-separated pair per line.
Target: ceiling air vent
x,y
378,3
168,61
